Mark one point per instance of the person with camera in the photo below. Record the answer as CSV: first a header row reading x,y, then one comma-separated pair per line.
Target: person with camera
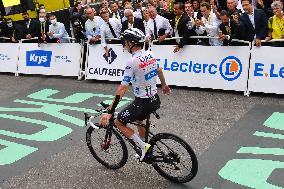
x,y
208,24
92,26
228,29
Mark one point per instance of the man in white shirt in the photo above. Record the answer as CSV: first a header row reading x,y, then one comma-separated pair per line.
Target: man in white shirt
x,y
93,25
57,30
158,27
110,29
209,23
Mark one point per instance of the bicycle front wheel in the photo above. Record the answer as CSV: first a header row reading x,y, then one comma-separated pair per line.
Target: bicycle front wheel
x,y
110,151
173,158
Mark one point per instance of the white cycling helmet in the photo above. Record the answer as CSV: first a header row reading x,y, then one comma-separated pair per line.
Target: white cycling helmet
x,y
133,35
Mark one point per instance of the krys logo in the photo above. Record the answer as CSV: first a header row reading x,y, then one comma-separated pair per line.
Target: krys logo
x,y
38,58
230,67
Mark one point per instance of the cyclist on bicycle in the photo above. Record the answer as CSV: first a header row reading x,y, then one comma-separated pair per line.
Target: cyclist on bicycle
x,y
142,71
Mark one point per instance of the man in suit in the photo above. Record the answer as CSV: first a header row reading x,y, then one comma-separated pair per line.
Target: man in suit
x,y
252,24
12,30
168,14
183,26
28,25
228,28
115,12
41,29
132,22
232,8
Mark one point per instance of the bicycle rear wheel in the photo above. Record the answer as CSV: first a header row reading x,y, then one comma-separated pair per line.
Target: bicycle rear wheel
x,y
110,151
173,158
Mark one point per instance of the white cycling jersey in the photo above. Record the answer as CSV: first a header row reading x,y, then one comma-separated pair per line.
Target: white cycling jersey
x,y
142,71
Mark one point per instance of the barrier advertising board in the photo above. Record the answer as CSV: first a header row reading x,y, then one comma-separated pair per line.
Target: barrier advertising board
x,y
266,72
50,59
9,54
102,67
205,67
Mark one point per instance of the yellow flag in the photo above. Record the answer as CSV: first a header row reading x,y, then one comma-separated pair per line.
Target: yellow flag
x,y
9,3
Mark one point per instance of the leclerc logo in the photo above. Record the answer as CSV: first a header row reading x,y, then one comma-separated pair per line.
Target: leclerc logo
x,y
230,68
38,58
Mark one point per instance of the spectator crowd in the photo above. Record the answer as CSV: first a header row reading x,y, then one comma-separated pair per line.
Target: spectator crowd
x,y
166,22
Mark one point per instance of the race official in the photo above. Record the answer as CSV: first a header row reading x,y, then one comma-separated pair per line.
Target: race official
x,y
183,26
92,26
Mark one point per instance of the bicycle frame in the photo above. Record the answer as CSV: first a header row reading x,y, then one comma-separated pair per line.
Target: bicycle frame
x,y
111,126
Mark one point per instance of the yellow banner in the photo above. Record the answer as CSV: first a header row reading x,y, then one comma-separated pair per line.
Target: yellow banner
x,y
9,3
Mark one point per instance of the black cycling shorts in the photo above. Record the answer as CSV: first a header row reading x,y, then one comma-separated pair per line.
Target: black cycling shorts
x,y
139,109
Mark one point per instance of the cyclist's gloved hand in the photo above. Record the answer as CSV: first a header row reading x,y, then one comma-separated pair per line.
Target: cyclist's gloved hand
x,y
105,120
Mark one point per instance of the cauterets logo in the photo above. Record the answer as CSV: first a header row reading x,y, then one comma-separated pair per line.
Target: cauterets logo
x,y
111,56
38,58
230,68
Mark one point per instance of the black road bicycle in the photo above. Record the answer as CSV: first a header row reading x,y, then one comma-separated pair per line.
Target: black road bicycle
x,y
170,155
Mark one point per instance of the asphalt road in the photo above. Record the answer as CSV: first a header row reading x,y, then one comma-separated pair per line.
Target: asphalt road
x,y
197,115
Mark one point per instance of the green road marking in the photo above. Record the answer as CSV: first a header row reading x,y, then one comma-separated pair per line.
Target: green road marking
x,y
251,173
14,152
50,109
53,131
263,151
55,109
269,135
254,173
75,98
275,121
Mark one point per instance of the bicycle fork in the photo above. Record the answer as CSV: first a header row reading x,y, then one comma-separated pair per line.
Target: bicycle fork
x,y
107,142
